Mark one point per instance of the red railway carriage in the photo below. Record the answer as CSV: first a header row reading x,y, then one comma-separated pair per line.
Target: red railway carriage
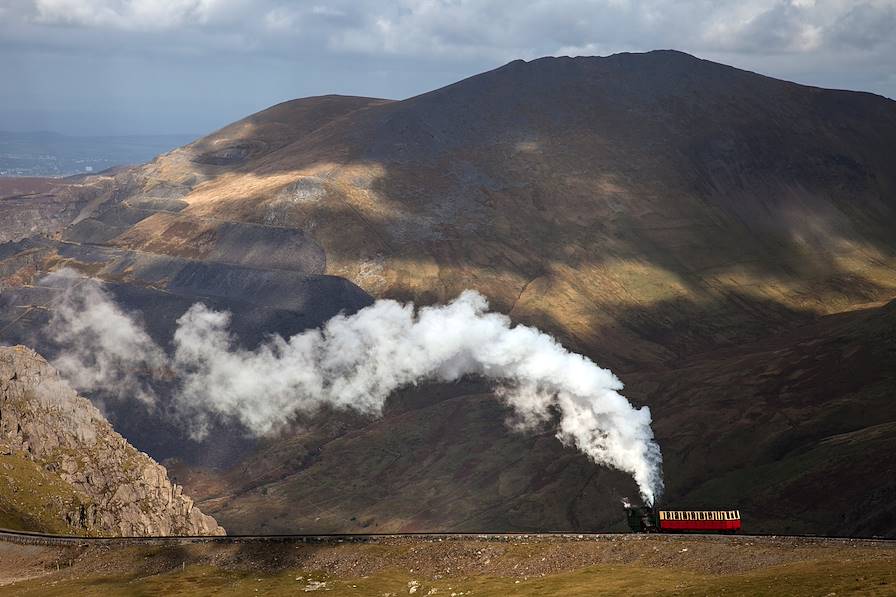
x,y
645,519
700,520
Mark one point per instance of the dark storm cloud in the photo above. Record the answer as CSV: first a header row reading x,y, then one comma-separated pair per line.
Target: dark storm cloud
x,y
190,65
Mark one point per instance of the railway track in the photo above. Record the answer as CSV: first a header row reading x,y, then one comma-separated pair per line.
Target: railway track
x,y
29,538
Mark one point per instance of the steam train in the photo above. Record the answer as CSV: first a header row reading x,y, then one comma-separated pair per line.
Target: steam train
x,y
644,519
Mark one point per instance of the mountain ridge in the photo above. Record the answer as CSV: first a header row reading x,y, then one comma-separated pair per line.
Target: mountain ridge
x,y
669,217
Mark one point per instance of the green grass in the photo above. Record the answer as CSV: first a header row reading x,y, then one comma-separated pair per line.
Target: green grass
x,y
33,499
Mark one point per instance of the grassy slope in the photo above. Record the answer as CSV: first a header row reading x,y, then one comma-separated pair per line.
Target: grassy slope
x,y
845,570
821,487
797,431
33,499
814,578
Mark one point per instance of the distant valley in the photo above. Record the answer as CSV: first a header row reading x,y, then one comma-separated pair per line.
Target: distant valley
x,y
54,154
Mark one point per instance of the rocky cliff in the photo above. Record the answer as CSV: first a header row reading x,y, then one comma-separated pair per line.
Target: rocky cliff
x,y
101,483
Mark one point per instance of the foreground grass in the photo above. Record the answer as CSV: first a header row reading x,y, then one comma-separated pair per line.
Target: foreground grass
x,y
34,499
803,578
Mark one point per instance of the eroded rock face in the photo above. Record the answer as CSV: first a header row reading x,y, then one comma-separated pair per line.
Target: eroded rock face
x,y
126,492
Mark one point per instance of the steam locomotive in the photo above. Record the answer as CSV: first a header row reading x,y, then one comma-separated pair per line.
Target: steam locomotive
x,y
644,519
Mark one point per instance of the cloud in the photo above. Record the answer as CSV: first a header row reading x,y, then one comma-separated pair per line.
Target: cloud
x,y
441,27
866,26
134,14
398,48
802,26
104,347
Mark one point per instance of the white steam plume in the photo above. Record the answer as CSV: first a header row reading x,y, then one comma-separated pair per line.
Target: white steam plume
x,y
357,361
105,348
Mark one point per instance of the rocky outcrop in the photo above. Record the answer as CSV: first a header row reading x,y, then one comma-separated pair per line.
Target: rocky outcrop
x,y
122,491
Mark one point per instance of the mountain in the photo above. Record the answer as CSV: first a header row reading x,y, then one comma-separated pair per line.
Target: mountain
x,y
67,471
719,239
